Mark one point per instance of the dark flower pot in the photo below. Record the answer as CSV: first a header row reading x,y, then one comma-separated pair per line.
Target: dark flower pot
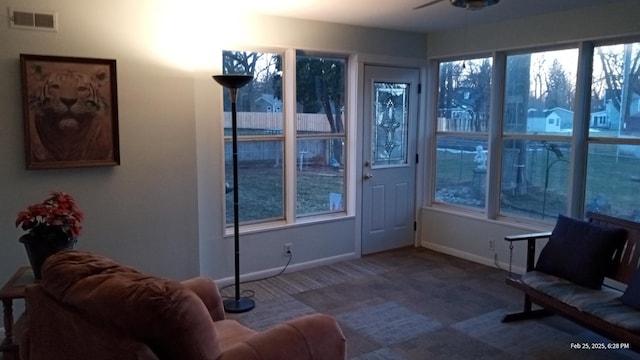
x,y
43,243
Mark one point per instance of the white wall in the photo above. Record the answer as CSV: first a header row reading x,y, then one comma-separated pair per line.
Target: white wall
x,y
467,235
619,18
161,209
143,212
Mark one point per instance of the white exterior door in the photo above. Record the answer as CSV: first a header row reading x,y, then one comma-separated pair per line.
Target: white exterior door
x,y
389,157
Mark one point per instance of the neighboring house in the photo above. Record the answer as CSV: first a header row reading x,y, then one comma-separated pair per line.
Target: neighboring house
x,y
600,120
271,104
561,120
634,107
558,120
632,122
536,121
268,103
553,120
609,118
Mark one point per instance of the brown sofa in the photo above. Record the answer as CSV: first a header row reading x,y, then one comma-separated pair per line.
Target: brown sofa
x,y
89,307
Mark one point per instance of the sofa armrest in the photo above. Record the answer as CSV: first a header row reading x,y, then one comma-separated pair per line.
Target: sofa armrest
x,y
531,244
24,346
208,292
313,337
533,236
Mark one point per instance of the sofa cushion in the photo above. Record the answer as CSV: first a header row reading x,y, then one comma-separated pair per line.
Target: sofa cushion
x,y
580,252
160,312
631,296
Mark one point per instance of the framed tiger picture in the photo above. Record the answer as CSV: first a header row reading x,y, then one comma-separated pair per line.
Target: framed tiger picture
x,y
70,111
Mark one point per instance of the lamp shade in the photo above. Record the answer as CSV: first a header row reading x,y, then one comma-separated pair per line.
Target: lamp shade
x,y
233,81
473,4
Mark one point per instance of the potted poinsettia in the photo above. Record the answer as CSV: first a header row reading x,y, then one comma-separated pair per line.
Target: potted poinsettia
x,y
53,225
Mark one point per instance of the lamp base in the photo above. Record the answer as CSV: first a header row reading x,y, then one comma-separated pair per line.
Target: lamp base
x,y
239,305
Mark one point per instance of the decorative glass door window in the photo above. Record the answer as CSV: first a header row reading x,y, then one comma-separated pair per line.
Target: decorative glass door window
x,y
389,133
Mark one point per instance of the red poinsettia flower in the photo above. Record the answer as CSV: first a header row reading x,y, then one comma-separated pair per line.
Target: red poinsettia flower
x,y
58,210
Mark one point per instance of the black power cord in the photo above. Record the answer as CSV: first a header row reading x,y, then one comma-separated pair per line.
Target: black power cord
x,y
251,293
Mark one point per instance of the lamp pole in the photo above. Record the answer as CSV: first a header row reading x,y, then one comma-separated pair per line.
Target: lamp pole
x,y
233,83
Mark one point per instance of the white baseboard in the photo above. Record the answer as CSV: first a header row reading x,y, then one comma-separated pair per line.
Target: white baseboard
x,y
330,260
291,268
472,257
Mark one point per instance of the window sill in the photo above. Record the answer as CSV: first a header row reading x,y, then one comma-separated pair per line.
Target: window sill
x,y
481,215
282,224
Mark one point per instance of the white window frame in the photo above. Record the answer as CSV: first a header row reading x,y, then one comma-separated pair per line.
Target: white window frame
x,y
580,139
290,143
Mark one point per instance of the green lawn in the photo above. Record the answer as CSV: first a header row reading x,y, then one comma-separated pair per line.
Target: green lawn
x,y
261,194
613,182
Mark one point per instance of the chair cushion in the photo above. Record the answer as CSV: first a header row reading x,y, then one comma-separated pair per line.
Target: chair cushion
x,y
162,313
631,296
231,333
605,303
580,252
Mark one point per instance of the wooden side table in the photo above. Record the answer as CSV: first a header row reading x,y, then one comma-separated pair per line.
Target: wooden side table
x,y
13,290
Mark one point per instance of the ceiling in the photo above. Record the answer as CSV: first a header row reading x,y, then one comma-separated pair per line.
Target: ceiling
x,y
400,15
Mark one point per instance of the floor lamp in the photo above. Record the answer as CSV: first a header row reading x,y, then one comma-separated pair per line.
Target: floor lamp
x,y
233,83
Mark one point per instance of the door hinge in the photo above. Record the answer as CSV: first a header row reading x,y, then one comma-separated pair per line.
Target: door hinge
x,y
417,158
415,226
419,88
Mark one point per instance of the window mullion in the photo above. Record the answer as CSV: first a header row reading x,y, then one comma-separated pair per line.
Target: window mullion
x,y
578,170
498,76
289,95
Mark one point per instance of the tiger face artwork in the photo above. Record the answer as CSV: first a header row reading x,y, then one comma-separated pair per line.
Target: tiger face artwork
x,y
70,118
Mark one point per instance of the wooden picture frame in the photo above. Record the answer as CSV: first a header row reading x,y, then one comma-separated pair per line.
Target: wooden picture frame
x,y
70,111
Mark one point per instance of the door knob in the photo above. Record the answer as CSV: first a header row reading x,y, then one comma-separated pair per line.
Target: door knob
x,y
367,176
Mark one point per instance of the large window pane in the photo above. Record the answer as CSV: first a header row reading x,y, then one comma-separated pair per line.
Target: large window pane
x,y
613,180
464,89
463,95
263,94
320,179
540,89
461,171
613,172
615,91
538,105
534,180
260,185
320,131
260,137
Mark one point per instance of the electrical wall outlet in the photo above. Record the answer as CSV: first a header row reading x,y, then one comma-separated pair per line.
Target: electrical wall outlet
x,y
492,245
287,248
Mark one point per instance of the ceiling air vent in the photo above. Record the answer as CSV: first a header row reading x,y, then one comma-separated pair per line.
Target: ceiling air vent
x,y
34,20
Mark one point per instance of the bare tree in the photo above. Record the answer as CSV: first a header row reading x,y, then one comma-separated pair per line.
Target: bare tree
x,y
262,66
466,87
559,92
620,71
